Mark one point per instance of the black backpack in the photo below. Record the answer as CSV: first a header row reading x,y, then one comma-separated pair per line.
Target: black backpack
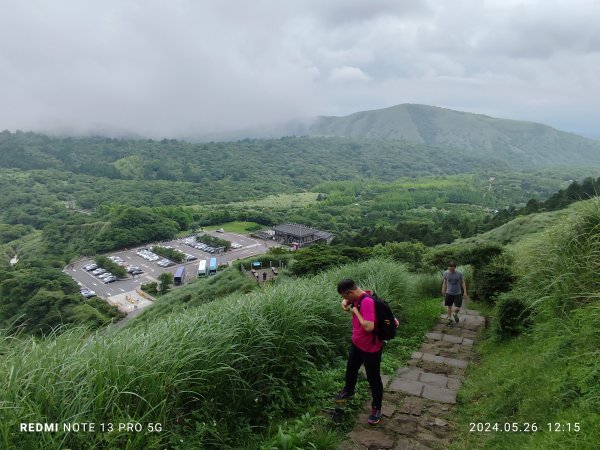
x,y
385,321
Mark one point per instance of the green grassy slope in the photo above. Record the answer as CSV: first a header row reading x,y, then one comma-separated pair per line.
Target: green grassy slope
x,y
214,376
550,374
520,228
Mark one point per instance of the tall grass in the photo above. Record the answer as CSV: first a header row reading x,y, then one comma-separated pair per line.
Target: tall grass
x,y
224,368
551,374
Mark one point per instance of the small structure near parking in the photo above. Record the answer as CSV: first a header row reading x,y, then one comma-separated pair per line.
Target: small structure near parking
x,y
300,235
130,301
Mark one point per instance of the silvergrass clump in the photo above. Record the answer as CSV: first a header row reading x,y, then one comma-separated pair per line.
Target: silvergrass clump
x,y
563,264
229,365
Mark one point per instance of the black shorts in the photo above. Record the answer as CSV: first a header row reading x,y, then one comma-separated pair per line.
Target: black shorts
x,y
455,299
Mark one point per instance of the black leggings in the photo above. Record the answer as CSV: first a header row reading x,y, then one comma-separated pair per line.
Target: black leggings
x,y
372,362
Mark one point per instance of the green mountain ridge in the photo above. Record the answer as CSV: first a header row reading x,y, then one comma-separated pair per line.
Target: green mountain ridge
x,y
531,144
473,133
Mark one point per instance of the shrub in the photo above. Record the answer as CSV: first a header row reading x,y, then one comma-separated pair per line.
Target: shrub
x,y
407,252
111,266
494,278
150,288
170,253
427,285
474,254
513,316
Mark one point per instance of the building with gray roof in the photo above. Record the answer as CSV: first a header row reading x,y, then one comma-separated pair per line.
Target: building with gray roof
x,y
300,235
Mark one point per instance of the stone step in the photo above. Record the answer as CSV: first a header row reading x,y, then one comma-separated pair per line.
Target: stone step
x,y
419,383
449,338
462,318
460,363
372,438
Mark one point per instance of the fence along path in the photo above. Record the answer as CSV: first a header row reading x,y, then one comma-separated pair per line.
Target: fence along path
x,y
419,399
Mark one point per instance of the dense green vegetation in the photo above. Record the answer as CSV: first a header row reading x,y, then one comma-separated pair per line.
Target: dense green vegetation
x,y
222,376
190,356
540,362
111,266
213,241
517,143
521,144
39,299
68,197
171,253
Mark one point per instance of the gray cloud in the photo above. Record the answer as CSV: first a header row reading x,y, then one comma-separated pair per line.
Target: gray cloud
x,y
171,68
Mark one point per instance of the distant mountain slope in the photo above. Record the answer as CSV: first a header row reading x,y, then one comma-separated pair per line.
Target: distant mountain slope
x,y
529,143
520,144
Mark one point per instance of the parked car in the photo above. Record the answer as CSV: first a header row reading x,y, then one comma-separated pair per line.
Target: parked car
x,y
110,279
87,293
92,266
98,271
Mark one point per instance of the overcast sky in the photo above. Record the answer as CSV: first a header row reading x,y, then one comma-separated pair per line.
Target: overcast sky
x,y
178,67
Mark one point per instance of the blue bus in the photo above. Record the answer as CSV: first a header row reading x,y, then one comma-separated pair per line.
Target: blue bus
x,y
212,266
179,276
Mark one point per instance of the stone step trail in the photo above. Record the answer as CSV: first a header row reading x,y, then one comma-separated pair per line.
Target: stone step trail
x,y
419,399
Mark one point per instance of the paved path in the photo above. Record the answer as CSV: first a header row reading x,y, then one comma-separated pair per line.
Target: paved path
x,y
419,399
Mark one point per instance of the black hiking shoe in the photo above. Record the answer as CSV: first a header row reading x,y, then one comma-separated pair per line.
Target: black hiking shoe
x,y
456,317
342,396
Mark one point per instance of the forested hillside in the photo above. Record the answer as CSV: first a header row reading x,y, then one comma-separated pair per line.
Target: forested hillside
x,y
517,143
67,197
531,144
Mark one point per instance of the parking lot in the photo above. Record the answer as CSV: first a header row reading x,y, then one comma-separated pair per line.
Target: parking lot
x,y
150,270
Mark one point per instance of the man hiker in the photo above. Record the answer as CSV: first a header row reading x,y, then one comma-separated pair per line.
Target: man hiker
x,y
365,349
454,289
